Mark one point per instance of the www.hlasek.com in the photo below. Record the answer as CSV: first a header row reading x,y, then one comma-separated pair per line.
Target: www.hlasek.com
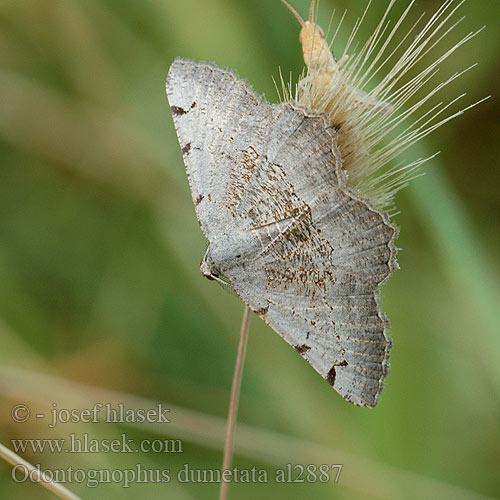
x,y
85,444
298,473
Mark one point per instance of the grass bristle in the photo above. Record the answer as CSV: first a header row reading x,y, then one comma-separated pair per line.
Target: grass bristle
x,y
376,126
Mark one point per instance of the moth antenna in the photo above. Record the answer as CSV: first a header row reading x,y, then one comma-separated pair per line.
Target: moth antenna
x,y
294,12
311,11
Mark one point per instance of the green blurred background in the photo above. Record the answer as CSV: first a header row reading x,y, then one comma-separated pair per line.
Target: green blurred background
x,y
101,299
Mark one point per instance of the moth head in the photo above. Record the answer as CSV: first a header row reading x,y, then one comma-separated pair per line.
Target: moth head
x,y
313,40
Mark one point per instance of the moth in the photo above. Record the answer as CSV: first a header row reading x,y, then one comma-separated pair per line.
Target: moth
x,y
305,252
291,197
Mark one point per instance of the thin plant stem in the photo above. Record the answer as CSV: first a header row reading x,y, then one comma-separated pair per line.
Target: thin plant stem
x,y
36,474
233,402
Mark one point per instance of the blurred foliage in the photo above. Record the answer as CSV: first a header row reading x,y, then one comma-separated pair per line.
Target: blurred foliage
x,y
100,249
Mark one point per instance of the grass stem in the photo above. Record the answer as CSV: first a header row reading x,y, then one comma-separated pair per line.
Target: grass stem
x,y
35,474
233,402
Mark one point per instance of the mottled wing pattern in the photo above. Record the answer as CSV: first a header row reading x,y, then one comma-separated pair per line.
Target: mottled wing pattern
x,y
219,122
316,254
323,255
